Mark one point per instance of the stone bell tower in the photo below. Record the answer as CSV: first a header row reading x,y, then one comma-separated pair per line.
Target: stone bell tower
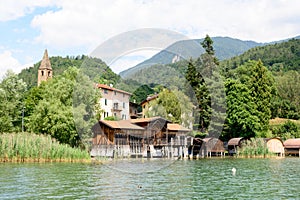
x,y
45,69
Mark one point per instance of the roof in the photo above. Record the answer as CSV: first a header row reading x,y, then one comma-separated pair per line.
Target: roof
x,y
274,138
177,127
103,86
122,124
235,141
45,64
150,98
150,119
292,143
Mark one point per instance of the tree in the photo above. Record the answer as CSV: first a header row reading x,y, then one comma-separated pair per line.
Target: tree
x,y
173,105
242,116
260,83
12,91
67,107
207,44
288,103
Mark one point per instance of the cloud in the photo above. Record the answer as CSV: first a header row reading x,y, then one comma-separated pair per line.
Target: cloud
x,y
129,60
14,9
89,24
8,62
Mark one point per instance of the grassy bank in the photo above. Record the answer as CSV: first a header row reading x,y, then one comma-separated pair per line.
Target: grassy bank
x,y
254,148
29,147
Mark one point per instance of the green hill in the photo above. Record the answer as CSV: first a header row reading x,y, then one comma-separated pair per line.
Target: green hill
x,y
95,68
282,56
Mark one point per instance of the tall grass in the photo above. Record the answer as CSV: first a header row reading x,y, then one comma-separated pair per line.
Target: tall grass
x,y
29,147
255,147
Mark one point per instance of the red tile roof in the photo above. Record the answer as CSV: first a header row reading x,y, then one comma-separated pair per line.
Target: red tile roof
x,y
103,86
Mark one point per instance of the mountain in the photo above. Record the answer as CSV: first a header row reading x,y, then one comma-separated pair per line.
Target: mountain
x,y
225,47
280,56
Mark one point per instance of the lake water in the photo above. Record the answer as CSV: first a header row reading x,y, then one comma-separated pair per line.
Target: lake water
x,y
154,179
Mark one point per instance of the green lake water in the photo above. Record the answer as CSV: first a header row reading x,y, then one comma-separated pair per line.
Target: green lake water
x,y
154,179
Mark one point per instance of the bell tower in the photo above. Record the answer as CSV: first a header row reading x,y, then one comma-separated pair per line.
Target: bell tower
x,y
45,69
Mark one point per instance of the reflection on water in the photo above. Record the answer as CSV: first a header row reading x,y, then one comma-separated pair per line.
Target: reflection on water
x,y
154,179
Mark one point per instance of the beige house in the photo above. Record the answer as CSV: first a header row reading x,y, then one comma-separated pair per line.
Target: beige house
x,y
146,104
114,102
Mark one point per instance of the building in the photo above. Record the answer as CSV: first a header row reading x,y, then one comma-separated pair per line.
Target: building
x,y
292,147
146,104
234,144
45,69
133,110
275,145
145,137
114,102
206,147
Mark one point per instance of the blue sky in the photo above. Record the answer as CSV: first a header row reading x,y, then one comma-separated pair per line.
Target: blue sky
x,y
74,27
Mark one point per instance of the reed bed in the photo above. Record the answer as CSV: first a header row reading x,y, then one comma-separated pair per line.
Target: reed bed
x,y
255,147
29,147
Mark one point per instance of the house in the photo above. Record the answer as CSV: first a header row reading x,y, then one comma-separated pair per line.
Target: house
x,y
292,147
133,110
45,69
114,102
146,104
275,145
234,144
144,137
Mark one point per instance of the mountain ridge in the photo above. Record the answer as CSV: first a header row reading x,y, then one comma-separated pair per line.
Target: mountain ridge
x,y
225,48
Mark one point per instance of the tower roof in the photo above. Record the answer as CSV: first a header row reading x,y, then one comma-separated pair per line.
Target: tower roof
x,y
45,64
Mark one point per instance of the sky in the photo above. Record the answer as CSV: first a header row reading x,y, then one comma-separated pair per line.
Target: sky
x,y
76,27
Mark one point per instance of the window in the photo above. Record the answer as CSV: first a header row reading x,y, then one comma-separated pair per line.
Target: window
x,y
105,102
42,73
123,104
115,92
124,117
115,114
116,106
105,91
123,95
49,73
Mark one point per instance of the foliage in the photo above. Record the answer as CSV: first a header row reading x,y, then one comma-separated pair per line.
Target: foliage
x,y
260,82
287,130
111,118
22,147
254,147
53,112
141,93
287,105
94,68
172,105
242,115
12,91
277,57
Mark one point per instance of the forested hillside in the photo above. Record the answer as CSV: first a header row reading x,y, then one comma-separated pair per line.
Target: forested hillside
x,y
277,57
95,68
225,47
